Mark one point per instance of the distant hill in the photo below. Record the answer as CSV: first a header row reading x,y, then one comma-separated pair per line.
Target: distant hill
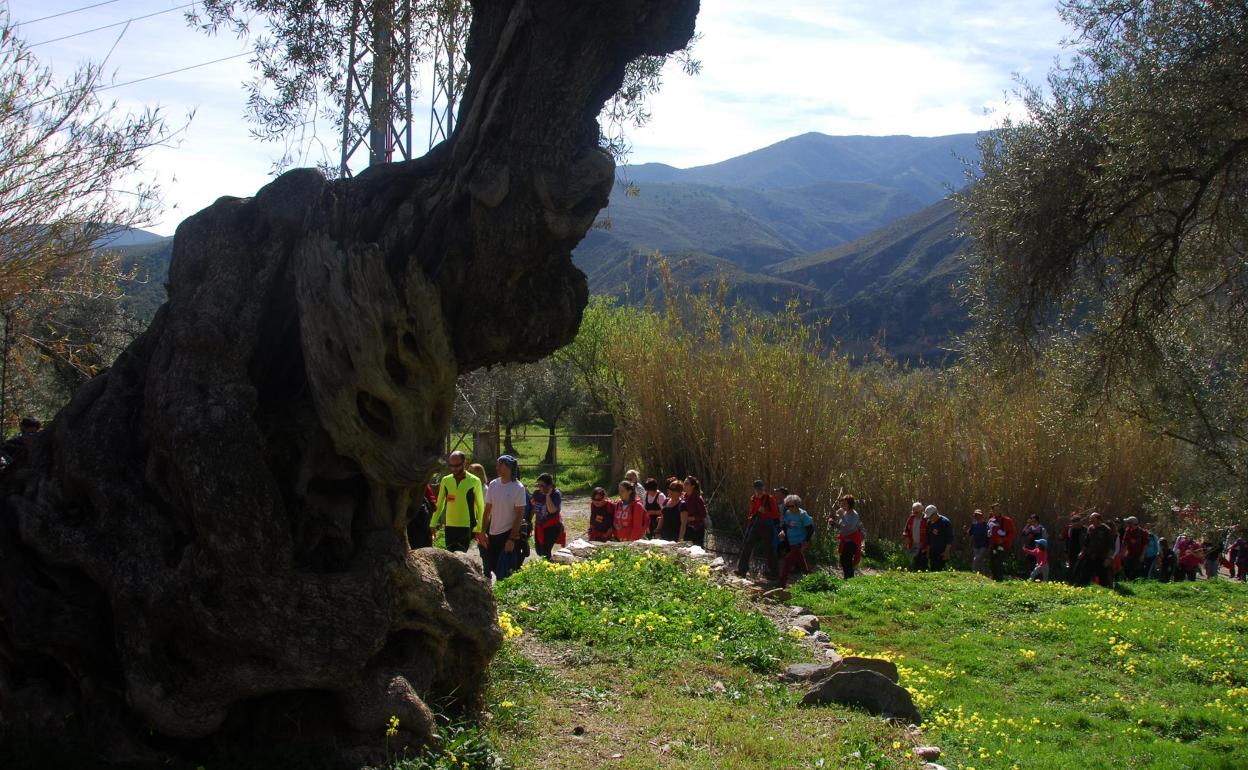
x,y
856,227
924,167
129,236
149,262
897,284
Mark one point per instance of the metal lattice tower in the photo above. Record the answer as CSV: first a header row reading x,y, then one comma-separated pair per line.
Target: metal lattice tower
x,y
380,75
450,33
379,83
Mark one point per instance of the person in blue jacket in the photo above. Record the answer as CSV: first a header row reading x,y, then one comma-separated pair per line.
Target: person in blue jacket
x,y
796,529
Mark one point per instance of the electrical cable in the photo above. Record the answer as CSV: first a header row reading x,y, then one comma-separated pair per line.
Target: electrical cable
x,y
66,13
109,26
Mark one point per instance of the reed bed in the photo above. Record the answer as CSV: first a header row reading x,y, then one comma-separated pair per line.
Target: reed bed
x,y
730,395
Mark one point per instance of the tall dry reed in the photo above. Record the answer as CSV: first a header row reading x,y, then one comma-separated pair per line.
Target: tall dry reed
x,y
730,396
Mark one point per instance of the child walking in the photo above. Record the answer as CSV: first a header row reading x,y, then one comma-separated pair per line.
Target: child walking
x,y
1040,552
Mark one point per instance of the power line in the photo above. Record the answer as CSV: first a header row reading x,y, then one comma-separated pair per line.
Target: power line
x,y
110,26
97,89
173,72
67,13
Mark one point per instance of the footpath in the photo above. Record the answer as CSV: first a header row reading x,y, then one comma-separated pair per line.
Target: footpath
x,y
868,684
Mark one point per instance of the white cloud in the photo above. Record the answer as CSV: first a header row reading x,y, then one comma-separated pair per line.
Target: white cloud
x,y
847,68
770,72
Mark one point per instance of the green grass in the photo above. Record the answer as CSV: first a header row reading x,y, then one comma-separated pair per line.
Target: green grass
x,y
1028,675
644,604
581,466
645,663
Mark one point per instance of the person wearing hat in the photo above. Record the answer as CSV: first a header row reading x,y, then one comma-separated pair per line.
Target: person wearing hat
x,y
938,533
762,528
505,501
1096,558
977,530
1039,551
1134,541
1032,532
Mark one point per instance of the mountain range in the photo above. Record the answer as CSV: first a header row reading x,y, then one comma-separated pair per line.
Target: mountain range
x,y
857,229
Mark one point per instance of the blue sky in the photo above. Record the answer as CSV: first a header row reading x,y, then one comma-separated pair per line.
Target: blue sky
x,y
770,71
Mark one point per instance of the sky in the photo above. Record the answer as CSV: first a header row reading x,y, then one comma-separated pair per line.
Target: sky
x,y
769,71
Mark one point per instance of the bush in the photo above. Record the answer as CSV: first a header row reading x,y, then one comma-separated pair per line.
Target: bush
x,y
886,554
818,582
642,604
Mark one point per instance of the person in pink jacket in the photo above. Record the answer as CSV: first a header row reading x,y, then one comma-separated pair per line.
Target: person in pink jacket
x,y
630,515
1040,552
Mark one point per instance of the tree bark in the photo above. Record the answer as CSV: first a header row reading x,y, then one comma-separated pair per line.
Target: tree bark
x,y
207,548
552,445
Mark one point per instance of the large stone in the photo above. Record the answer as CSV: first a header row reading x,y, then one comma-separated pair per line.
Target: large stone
x,y
564,556
809,672
930,753
778,595
808,623
884,668
868,690
207,551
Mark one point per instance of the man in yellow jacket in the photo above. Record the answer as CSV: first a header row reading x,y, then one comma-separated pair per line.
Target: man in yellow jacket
x,y
461,505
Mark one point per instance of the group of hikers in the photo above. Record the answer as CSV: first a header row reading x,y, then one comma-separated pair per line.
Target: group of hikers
x,y
501,515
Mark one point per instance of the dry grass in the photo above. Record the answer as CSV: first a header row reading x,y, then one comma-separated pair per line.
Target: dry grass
x,y
738,396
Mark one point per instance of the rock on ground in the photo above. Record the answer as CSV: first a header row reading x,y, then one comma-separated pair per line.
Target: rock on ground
x,y
885,668
809,672
808,623
868,690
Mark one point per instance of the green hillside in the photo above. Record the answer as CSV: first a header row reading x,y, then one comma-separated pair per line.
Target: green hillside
x,y
149,264
897,284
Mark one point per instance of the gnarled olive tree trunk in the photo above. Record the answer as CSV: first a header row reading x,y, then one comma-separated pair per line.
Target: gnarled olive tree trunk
x,y
208,544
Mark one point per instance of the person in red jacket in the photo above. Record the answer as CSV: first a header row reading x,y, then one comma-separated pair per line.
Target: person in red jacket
x,y
1134,541
693,513
628,513
1000,540
762,528
915,538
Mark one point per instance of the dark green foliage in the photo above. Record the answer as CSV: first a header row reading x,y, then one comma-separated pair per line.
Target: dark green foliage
x,y
146,270
819,582
1116,210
